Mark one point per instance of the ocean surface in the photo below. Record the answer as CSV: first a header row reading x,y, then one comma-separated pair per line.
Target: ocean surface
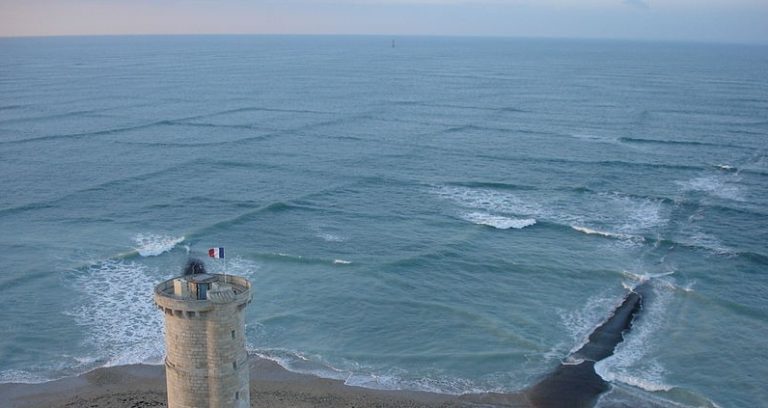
x,y
450,214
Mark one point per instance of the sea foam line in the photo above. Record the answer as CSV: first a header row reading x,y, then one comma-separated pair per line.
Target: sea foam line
x,y
366,377
297,362
581,323
630,364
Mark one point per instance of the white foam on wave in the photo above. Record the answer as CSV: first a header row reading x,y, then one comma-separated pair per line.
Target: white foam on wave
x,y
590,231
688,287
627,396
581,323
155,244
632,362
439,384
118,312
495,205
573,361
719,185
358,375
328,237
327,233
498,222
341,262
489,200
297,362
726,167
638,215
435,382
695,237
636,279
622,218
22,377
651,378
710,242
613,215
49,370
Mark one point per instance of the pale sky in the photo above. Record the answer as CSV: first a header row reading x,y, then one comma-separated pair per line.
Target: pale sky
x,y
686,20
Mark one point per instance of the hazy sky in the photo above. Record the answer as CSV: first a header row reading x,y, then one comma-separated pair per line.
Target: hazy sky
x,y
707,20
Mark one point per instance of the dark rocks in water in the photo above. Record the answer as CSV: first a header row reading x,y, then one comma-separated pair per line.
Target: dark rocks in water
x,y
571,386
194,267
578,385
605,338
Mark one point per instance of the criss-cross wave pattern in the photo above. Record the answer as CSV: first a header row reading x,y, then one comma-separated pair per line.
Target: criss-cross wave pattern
x,y
450,215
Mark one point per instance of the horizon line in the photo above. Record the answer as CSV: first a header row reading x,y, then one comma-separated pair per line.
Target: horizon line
x,y
473,36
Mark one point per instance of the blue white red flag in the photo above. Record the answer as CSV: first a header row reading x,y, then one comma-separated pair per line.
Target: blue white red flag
x,y
216,252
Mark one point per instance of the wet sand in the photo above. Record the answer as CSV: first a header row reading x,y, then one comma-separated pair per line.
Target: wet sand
x,y
272,386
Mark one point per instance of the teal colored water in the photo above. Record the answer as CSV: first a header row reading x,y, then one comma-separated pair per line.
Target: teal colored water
x,y
451,214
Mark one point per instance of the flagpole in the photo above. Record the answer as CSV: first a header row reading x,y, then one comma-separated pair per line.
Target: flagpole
x,y
218,253
224,255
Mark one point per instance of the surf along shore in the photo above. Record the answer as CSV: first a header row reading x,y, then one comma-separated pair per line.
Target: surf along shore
x,y
139,386
573,384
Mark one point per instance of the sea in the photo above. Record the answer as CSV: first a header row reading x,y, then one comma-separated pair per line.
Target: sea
x,y
435,213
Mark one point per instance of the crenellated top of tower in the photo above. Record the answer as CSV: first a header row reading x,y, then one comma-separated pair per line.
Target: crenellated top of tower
x,y
202,292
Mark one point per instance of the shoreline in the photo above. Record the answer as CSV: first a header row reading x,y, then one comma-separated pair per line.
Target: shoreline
x,y
272,386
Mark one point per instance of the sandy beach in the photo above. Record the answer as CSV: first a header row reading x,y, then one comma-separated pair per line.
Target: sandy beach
x,y
136,386
272,386
139,386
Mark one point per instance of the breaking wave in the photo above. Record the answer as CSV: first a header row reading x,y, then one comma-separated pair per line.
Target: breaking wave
x,y
627,218
489,200
633,362
629,396
155,244
499,222
118,312
301,259
590,231
581,323
721,186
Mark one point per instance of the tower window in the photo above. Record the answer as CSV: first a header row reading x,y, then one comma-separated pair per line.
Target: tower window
x,y
234,365
233,334
237,395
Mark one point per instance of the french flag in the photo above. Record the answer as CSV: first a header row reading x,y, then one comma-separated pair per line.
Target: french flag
x,y
216,252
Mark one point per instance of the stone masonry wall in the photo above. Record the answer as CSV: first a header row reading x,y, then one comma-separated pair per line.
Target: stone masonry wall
x,y
206,360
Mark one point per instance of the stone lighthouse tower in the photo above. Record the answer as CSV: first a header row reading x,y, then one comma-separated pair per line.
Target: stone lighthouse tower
x,y
206,364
